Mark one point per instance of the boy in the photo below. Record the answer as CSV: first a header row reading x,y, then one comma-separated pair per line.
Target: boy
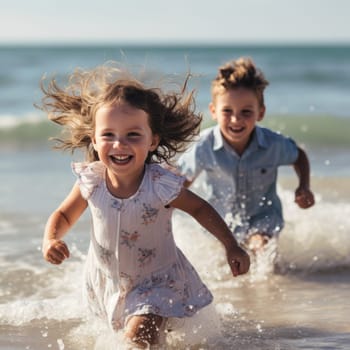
x,y
239,160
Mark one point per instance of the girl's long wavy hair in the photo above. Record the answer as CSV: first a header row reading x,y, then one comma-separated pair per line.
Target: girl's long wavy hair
x,y
240,73
172,116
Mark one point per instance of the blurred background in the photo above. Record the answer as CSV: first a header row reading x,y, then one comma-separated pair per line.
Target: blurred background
x,y
303,48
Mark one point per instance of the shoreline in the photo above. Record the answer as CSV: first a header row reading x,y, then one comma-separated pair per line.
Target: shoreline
x,y
313,130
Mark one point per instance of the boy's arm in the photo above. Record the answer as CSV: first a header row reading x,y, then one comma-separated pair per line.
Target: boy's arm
x,y
303,195
190,164
187,183
207,216
59,222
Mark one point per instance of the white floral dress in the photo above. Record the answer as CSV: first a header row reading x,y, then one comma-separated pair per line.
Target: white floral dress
x,y
133,266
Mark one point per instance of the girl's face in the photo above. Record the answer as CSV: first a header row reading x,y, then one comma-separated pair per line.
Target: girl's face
x,y
123,139
237,112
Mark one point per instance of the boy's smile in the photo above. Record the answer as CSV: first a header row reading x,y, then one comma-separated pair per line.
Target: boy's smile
x,y
237,111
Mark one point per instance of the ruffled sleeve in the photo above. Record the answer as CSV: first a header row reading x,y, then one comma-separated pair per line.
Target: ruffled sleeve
x,y
167,185
89,176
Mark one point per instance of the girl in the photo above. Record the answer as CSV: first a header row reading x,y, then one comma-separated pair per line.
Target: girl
x,y
135,276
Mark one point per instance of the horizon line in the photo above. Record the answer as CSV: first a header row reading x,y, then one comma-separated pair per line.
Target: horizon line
x,y
176,43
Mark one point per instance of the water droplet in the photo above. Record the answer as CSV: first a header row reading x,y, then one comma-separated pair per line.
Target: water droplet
x,y
60,344
259,328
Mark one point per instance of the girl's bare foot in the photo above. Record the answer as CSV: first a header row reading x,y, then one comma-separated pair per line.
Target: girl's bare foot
x,y
257,242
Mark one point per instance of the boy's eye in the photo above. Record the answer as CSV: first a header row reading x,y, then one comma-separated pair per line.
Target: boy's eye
x,y
246,112
227,110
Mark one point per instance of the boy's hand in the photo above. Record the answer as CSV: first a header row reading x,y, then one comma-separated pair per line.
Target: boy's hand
x,y
304,197
55,251
238,260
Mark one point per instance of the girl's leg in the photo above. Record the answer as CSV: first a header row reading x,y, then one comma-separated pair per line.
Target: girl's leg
x,y
144,330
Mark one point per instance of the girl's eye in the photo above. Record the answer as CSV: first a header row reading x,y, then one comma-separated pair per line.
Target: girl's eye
x,y
107,135
227,111
133,134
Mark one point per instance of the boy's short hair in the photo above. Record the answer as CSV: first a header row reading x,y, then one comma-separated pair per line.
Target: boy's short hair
x,y
240,73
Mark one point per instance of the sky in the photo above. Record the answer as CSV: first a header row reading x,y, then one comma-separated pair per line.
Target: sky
x,y
174,22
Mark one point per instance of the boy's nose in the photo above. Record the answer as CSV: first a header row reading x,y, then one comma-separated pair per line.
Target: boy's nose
x,y
237,116
234,117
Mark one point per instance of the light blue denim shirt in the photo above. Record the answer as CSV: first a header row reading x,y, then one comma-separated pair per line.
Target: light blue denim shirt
x,y
241,188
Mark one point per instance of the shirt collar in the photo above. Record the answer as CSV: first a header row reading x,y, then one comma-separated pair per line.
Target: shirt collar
x,y
260,137
218,139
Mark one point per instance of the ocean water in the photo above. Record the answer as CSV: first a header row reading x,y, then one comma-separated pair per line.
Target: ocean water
x,y
300,302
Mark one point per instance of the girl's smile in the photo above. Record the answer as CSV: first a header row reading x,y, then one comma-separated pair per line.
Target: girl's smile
x,y
120,159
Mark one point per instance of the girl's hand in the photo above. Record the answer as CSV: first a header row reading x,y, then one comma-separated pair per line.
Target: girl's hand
x,y
55,251
304,198
238,260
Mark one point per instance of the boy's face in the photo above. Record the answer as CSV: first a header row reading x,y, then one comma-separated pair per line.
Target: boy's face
x,y
237,112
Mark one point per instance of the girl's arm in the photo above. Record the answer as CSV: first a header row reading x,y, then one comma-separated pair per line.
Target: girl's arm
x,y
303,195
207,216
59,222
187,183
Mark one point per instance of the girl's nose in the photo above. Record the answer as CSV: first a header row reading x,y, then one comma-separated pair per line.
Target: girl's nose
x,y
119,142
